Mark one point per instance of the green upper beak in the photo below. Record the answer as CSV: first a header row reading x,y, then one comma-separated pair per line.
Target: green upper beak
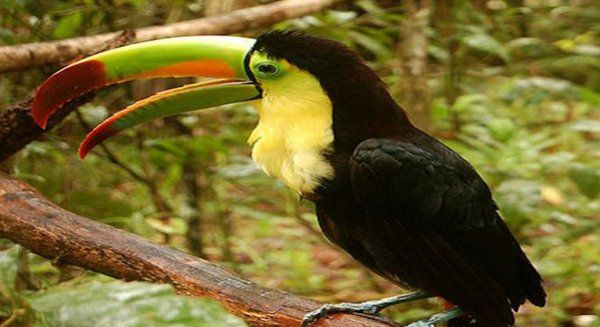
x,y
201,56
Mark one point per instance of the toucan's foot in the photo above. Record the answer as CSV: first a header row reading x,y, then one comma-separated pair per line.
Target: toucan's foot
x,y
437,318
368,307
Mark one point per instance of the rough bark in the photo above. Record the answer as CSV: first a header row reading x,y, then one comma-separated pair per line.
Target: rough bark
x,y
219,7
29,219
414,92
30,55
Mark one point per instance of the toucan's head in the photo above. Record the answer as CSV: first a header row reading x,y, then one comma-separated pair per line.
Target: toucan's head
x,y
277,66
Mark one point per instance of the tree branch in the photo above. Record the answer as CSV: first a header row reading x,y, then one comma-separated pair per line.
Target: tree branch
x,y
29,219
19,57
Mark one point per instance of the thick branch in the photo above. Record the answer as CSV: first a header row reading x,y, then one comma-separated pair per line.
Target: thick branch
x,y
29,219
30,55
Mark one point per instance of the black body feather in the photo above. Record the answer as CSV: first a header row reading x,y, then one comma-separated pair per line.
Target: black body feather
x,y
401,202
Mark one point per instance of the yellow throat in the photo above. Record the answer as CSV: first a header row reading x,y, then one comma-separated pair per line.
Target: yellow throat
x,y
294,130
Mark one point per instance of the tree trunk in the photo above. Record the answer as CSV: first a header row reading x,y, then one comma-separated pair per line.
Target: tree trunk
x,y
443,18
414,91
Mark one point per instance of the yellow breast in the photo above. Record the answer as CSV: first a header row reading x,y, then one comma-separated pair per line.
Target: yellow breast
x,y
293,133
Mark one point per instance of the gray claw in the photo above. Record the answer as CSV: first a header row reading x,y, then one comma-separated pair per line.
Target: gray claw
x,y
368,307
437,318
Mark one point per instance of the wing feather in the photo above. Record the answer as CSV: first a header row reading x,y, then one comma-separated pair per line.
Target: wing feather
x,y
435,227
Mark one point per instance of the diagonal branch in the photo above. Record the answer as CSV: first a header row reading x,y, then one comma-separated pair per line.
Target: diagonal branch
x,y
20,57
29,219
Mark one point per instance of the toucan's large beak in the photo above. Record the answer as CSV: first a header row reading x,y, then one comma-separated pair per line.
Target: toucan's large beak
x,y
202,56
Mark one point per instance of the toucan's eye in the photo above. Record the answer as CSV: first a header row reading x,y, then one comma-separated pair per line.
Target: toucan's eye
x,y
267,69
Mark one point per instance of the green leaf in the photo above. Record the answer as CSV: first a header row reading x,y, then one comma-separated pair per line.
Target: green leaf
x,y
370,6
8,267
528,47
8,274
588,126
68,26
586,178
485,43
502,129
369,43
517,199
588,96
125,305
175,226
471,103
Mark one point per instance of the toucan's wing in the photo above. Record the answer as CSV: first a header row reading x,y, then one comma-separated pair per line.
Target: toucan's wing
x,y
441,231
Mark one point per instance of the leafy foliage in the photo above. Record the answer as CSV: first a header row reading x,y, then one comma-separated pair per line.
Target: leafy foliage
x,y
98,302
124,304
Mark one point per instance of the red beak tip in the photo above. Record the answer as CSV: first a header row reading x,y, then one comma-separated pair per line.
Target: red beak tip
x,y
37,114
65,85
83,153
41,122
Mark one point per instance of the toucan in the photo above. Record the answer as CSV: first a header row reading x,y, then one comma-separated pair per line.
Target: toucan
x,y
396,199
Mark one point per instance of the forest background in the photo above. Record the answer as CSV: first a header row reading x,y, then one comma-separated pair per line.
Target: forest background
x,y
513,86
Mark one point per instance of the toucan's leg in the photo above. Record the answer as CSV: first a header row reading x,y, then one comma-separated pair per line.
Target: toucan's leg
x,y
370,307
437,318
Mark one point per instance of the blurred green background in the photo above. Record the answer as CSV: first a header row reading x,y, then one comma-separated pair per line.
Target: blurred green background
x,y
513,86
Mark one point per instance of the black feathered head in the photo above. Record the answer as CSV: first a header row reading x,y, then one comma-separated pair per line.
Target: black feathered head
x,y
362,105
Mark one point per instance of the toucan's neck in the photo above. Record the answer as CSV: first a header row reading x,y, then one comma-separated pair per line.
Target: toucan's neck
x,y
364,109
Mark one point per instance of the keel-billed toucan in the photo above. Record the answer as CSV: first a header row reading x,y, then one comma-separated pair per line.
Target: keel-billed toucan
x,y
396,199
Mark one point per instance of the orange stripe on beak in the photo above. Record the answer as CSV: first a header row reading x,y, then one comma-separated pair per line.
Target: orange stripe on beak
x,y
204,68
